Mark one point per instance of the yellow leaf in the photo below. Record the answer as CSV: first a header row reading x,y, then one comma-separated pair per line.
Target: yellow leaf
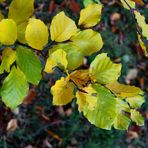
x,y
8,32
129,2
90,15
88,41
62,28
21,10
62,91
1,16
143,47
80,77
142,24
124,91
21,28
87,99
36,34
57,58
8,58
103,70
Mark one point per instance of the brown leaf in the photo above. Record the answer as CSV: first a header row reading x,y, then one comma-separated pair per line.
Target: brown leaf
x,y
12,125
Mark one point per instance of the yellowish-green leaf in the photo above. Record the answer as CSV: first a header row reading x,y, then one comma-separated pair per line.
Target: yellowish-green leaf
x,y
57,58
21,10
36,34
80,77
103,70
62,28
137,117
21,28
128,4
121,121
86,98
8,32
124,91
136,101
62,91
142,24
74,57
90,15
143,47
1,16
88,41
8,58
104,113
14,89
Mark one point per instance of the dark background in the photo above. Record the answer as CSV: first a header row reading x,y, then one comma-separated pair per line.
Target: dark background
x,y
38,124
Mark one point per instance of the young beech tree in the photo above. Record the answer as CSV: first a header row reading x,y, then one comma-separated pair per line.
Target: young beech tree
x,y
100,97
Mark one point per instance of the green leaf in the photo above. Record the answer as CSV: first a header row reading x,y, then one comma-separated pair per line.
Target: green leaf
x,y
74,57
88,41
8,58
137,117
29,63
122,121
87,2
103,70
136,101
104,114
21,10
14,88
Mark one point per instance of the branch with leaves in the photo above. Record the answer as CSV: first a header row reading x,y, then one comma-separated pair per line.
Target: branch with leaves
x,y
100,97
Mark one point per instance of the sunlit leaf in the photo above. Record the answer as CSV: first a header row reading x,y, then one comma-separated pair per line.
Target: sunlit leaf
x,y
80,77
137,117
90,15
62,91
8,58
103,70
88,41
29,64
128,3
8,32
21,10
57,58
62,28
141,22
124,91
14,88
104,114
86,99
36,34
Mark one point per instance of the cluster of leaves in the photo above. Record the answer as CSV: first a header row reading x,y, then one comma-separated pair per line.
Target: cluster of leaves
x,y
103,101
